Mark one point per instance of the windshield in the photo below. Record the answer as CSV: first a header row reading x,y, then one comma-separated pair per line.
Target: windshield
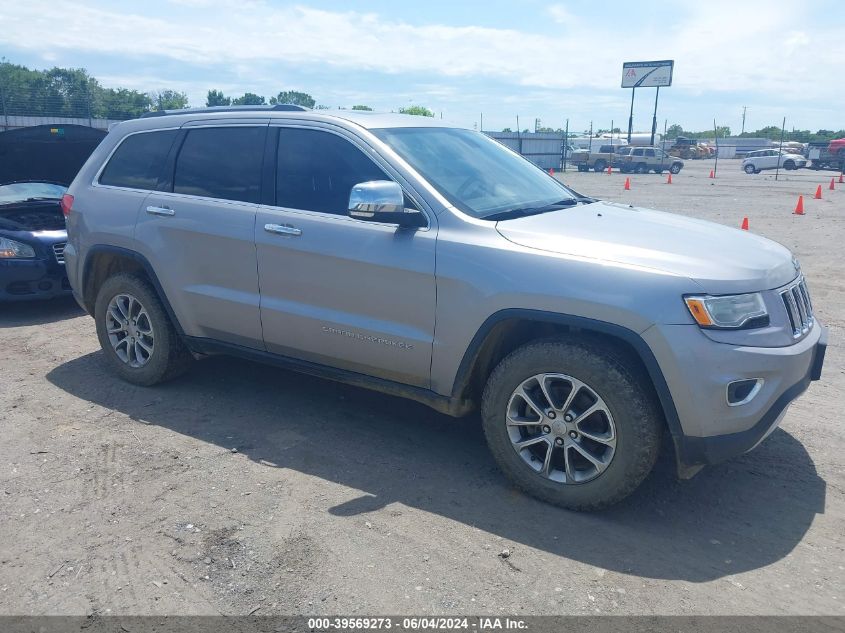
x,y
473,172
21,191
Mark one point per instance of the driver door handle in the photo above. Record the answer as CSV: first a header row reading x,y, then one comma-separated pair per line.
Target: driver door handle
x,y
283,229
164,211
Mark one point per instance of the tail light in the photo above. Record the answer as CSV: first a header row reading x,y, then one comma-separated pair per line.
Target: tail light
x,y
67,203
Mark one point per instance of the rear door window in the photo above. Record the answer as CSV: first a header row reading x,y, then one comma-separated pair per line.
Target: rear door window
x,y
138,160
221,162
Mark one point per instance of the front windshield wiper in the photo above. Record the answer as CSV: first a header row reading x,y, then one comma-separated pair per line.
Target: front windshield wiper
x,y
522,212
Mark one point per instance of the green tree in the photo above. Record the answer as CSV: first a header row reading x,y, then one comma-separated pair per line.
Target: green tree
x,y
674,131
416,110
217,98
362,107
249,98
168,100
294,98
507,129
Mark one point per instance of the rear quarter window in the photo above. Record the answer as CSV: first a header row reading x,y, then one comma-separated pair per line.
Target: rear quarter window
x,y
138,160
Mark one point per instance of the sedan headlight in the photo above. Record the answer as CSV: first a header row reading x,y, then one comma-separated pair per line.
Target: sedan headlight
x,y
730,312
10,249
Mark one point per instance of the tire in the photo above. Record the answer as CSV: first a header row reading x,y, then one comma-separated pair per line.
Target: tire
x,y
750,169
789,165
658,171
630,417
599,165
583,168
676,168
641,168
167,358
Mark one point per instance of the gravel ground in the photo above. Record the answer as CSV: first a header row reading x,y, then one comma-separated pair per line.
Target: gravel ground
x,y
241,486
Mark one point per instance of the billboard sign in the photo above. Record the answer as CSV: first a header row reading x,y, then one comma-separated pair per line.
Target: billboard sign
x,y
647,74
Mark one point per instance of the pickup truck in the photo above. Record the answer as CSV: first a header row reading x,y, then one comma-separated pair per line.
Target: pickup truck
x,y
606,155
645,159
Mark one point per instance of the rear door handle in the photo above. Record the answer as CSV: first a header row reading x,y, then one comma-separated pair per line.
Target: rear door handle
x,y
283,229
166,211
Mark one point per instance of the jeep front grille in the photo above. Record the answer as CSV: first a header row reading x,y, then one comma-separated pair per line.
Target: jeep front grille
x,y
796,300
59,252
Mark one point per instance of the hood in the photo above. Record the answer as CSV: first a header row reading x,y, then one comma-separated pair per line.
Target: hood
x,y
49,153
720,259
39,215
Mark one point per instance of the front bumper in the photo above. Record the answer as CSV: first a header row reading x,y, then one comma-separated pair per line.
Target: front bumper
x,y
40,277
697,371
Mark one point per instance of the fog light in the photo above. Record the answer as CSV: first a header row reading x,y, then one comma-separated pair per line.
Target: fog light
x,y
743,391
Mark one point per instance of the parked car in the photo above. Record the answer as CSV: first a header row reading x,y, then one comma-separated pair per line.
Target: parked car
x,y
36,166
645,159
755,162
397,253
599,159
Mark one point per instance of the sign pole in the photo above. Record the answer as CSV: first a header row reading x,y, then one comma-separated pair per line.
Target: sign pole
x,y
630,116
654,119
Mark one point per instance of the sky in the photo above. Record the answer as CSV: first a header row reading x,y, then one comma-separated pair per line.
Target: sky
x,y
530,59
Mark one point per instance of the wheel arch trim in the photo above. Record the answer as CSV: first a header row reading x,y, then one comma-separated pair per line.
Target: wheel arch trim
x,y
632,338
118,251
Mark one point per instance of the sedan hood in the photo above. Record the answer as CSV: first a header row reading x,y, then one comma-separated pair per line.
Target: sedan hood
x,y
50,153
720,259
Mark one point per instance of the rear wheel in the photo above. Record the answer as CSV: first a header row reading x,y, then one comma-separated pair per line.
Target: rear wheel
x,y
137,337
599,165
571,423
642,168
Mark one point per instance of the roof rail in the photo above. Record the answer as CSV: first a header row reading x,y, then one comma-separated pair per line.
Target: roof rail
x,y
279,107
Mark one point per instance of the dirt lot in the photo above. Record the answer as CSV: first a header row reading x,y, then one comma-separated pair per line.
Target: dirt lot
x,y
241,486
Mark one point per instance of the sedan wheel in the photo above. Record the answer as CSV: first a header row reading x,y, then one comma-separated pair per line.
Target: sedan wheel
x,y
749,169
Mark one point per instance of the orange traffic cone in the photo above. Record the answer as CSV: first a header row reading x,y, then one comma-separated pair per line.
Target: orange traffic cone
x,y
799,208
551,172
669,179
832,186
712,174
818,195
744,226
627,184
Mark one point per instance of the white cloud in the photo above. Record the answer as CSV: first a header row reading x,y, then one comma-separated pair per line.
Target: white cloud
x,y
722,45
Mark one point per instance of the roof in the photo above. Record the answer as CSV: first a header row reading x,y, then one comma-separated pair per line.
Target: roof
x,y
363,118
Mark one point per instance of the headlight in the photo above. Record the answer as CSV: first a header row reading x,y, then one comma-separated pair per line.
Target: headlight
x,y
10,249
728,312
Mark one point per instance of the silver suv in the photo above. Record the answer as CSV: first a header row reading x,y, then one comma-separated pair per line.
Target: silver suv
x,y
428,261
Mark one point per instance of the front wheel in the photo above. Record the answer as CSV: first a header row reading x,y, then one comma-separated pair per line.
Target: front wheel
x,y
749,169
138,339
599,165
675,168
571,423
789,165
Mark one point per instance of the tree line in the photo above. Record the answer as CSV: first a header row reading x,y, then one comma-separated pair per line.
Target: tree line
x,y
73,92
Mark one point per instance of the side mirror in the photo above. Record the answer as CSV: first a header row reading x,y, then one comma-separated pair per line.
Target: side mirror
x,y
382,201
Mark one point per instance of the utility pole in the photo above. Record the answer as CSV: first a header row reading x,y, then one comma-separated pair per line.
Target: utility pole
x,y
744,108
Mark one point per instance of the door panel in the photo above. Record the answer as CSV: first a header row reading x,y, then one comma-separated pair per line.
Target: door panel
x,y
348,293
338,291
204,256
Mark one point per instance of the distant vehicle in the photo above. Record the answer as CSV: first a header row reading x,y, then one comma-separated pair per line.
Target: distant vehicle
x,y
827,155
599,159
690,149
755,162
36,166
837,148
645,159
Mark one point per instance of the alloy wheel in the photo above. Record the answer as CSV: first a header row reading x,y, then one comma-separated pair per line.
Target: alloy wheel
x,y
130,330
